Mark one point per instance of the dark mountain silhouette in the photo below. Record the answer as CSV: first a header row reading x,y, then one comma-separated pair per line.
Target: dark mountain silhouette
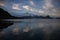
x,y
4,14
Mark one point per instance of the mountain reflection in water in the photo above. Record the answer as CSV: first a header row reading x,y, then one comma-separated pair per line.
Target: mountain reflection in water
x,y
32,29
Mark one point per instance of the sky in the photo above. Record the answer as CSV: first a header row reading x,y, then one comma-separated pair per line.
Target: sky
x,y
34,7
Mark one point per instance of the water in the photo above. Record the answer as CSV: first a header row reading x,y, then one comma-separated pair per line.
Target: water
x,y
31,27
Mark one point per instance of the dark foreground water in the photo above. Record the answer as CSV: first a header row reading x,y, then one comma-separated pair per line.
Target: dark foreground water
x,y
32,29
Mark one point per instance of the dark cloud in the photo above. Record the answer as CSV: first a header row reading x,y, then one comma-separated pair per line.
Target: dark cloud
x,y
58,0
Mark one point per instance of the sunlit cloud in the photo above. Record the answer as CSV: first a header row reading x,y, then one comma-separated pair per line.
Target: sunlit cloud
x,y
41,11
2,4
48,4
37,11
26,7
16,7
33,9
32,3
53,10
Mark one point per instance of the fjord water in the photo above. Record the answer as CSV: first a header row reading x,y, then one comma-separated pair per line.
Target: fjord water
x,y
34,23
43,29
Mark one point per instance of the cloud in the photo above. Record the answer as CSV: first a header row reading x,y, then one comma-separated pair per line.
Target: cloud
x,y
55,12
26,7
56,9
2,4
40,11
50,9
32,3
57,1
48,5
16,7
36,10
32,9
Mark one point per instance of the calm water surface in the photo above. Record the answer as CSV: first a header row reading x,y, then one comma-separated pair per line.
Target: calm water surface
x,y
21,26
33,23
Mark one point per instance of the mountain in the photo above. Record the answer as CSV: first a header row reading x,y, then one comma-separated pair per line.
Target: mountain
x,y
4,15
